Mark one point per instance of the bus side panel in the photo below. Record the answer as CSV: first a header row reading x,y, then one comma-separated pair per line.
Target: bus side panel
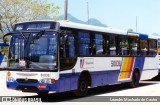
x,y
150,68
96,80
105,78
113,77
74,82
66,83
60,85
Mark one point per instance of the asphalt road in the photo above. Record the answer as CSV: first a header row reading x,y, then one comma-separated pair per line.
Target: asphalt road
x,y
146,88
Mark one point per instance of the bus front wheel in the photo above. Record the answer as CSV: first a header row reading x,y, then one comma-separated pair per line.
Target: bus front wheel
x,y
82,87
135,79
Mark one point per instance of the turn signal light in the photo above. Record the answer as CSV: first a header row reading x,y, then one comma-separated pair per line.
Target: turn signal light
x,y
53,80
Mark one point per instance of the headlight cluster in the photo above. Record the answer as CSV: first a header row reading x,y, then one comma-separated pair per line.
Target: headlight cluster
x,y
10,79
47,80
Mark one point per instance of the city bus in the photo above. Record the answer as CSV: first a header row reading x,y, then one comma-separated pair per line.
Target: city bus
x,y
3,55
59,56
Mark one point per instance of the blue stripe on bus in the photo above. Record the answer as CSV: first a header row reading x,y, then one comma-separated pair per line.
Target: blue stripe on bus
x,y
69,81
143,35
139,63
92,73
99,78
14,85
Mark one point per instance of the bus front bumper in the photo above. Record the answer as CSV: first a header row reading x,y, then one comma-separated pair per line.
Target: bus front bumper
x,y
32,87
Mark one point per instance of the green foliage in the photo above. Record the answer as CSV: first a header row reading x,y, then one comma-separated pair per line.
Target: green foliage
x,y
130,30
13,11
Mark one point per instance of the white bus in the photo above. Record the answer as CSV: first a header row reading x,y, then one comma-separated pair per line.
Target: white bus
x,y
59,56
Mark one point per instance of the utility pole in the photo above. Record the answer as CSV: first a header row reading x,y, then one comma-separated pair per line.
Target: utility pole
x,y
65,9
88,12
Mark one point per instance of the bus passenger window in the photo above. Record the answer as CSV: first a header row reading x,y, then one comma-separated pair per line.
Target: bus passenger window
x,y
133,46
144,47
152,47
124,46
84,43
71,46
112,45
67,50
68,47
99,44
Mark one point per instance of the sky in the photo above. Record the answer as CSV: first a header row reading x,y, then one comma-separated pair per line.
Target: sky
x,y
120,14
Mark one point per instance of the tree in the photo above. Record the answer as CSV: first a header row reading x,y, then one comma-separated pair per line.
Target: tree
x,y
13,11
130,30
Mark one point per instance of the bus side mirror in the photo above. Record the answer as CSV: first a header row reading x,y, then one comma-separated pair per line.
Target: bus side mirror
x,y
5,39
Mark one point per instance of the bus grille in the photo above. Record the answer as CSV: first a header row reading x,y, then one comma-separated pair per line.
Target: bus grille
x,y
27,89
27,81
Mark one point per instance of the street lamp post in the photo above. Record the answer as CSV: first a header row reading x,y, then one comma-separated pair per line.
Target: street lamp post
x,y
65,9
88,12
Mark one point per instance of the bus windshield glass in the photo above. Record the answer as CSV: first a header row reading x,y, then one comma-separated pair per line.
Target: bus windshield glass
x,y
34,50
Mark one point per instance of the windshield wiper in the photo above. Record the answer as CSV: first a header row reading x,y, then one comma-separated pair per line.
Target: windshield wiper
x,y
38,35
27,41
24,37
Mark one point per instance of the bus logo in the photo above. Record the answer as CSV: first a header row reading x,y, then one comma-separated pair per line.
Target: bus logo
x,y
81,63
86,63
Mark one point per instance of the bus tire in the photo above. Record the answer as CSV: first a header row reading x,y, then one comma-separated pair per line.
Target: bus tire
x,y
82,87
135,79
45,93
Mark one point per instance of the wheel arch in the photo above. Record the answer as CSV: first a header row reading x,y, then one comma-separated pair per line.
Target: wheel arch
x,y
137,70
86,74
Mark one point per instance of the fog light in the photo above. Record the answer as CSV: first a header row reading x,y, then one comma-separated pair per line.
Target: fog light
x,y
53,80
10,79
47,80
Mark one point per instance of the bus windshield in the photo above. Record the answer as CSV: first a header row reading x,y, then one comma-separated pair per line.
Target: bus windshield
x,y
34,50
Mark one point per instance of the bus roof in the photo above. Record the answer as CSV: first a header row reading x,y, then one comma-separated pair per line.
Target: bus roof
x,y
91,28
82,26
95,28
141,35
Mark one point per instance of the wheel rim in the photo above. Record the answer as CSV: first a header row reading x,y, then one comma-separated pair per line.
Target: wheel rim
x,y
83,87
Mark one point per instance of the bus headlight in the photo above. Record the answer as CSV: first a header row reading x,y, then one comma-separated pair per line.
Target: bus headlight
x,y
47,80
10,79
